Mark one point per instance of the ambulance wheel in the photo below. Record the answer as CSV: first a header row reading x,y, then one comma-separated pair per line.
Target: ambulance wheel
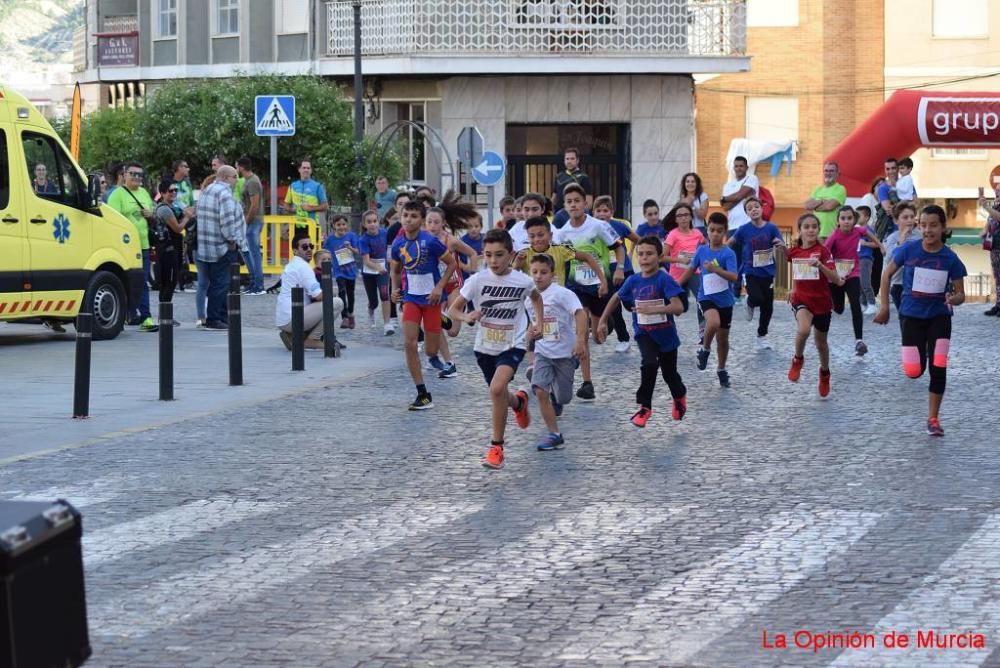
x,y
105,298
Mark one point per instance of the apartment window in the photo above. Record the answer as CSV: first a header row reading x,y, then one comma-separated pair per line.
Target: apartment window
x,y
415,144
166,13
772,13
772,118
292,16
227,17
959,153
960,18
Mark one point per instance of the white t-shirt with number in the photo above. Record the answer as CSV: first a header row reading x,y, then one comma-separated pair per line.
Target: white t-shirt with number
x,y
297,274
500,299
582,238
737,215
559,332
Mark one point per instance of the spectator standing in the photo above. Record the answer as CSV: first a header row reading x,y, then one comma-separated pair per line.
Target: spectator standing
x,y
298,274
385,197
991,239
185,191
220,239
116,177
694,195
827,199
166,237
905,189
252,201
887,198
132,201
736,190
306,198
572,174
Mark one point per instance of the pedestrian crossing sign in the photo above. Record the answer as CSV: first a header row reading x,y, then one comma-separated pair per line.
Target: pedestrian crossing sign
x,y
275,115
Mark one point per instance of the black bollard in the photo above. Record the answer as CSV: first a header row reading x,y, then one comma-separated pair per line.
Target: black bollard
x,y
235,327
166,351
81,377
331,347
298,335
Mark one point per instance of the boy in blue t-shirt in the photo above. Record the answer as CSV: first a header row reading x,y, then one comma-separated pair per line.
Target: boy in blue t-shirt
x,y
718,269
929,269
604,209
866,260
373,247
343,246
654,299
474,240
758,239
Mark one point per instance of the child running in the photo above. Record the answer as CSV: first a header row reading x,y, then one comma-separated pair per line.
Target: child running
x,y
678,249
813,272
474,240
715,296
343,246
866,258
558,351
653,225
499,295
758,239
905,215
929,267
843,244
373,245
418,283
604,208
654,298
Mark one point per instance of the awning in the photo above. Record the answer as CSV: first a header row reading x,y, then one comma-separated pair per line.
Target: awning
x,y
965,236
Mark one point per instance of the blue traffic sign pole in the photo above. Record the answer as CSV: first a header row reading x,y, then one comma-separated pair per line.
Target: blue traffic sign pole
x,y
274,116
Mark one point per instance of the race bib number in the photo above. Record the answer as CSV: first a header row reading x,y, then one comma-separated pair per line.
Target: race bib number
x,y
713,284
584,275
344,256
803,271
650,318
685,260
365,269
929,281
497,338
550,329
419,284
844,267
763,258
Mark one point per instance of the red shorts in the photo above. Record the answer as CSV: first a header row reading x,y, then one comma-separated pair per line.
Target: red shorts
x,y
428,314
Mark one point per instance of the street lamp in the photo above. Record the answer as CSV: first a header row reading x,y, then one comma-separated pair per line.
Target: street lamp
x,y
359,117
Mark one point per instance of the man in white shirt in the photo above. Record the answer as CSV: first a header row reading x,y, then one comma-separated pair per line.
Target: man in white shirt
x,y
299,274
735,191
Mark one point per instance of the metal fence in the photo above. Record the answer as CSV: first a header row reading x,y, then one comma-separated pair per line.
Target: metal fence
x,y
538,27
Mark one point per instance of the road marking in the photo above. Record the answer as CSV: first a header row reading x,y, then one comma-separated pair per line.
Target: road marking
x,y
100,490
251,573
962,595
165,527
717,597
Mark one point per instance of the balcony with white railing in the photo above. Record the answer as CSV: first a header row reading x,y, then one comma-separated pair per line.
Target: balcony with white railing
x,y
563,35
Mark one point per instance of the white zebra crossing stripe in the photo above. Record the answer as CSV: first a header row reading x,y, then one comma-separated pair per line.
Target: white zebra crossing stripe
x,y
166,527
961,597
732,585
100,490
241,576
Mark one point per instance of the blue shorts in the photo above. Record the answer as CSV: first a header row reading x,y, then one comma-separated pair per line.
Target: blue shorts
x,y
489,363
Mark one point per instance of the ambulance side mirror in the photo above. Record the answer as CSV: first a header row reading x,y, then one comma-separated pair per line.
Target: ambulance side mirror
x,y
94,191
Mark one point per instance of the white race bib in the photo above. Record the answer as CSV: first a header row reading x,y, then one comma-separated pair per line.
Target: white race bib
x,y
584,275
713,284
419,284
685,259
844,267
496,338
929,281
344,256
550,329
803,271
365,269
763,258
650,318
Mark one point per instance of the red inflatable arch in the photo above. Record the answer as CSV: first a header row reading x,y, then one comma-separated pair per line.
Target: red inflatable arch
x,y
910,119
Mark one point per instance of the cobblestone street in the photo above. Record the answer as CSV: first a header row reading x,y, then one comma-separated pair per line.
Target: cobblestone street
x,y
336,528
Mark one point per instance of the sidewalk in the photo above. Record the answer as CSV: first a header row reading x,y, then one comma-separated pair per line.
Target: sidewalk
x,y
37,370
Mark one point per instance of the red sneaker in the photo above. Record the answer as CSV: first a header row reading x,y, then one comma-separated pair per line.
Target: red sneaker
x,y
796,369
494,457
680,408
521,414
641,416
934,427
824,382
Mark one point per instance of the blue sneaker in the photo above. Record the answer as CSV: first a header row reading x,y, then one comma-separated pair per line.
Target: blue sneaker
x,y
551,442
449,371
435,363
702,359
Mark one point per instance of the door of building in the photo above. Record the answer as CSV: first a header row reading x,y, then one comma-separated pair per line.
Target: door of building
x,y
535,156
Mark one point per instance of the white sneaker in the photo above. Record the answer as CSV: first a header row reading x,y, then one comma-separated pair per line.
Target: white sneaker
x,y
750,311
871,309
623,346
388,330
762,343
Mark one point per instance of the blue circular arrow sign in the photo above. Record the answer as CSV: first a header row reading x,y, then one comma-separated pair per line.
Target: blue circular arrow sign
x,y
490,170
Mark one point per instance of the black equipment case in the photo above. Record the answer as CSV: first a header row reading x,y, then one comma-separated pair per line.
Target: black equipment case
x,y
43,611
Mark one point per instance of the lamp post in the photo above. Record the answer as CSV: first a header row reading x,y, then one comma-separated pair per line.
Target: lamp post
x,y
359,118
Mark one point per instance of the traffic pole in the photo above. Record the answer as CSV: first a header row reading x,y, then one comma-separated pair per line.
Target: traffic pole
x,y
166,351
235,329
331,347
298,327
81,376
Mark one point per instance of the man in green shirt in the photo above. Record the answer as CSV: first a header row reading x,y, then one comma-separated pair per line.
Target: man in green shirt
x,y
826,199
133,202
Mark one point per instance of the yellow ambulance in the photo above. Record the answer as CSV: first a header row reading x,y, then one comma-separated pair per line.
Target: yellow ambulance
x,y
61,249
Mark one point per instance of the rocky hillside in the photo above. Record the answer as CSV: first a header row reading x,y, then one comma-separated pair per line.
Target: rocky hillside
x,y
37,32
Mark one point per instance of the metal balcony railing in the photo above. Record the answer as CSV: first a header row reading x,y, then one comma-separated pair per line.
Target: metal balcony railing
x,y
540,27
120,24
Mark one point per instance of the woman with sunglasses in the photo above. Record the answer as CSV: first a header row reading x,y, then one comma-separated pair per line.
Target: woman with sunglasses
x,y
166,236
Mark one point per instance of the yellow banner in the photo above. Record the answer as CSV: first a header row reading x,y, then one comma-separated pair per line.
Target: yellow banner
x,y
74,128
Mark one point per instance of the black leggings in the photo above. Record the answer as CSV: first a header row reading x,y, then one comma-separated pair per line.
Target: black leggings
x,y
760,293
923,339
653,360
167,270
852,288
346,288
376,288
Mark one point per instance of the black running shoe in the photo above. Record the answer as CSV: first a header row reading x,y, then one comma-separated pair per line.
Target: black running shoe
x,y
586,391
422,402
723,378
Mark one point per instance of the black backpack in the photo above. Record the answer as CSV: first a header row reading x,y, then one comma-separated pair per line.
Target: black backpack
x,y
159,233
